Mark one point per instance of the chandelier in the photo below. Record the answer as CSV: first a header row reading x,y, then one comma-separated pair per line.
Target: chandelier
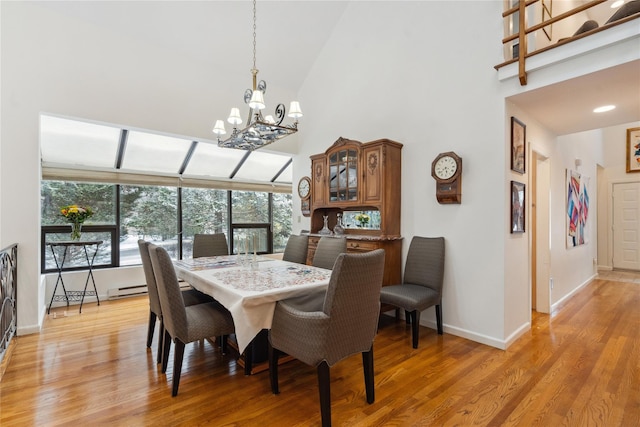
x,y
261,130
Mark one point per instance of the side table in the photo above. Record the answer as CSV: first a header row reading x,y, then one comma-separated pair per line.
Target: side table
x,y
74,295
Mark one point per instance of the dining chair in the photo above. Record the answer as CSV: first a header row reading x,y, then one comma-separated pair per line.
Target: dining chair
x,y
328,250
210,245
184,324
296,249
189,296
336,324
421,286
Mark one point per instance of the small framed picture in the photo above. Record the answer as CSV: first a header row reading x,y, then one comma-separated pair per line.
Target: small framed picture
x,y
517,207
518,148
633,150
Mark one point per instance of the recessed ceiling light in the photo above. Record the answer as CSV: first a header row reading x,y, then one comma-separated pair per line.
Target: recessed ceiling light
x,y
617,4
604,108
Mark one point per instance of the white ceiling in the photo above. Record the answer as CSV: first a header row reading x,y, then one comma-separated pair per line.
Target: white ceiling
x,y
567,107
218,36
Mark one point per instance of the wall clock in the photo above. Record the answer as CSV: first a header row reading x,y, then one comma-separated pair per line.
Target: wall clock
x,y
304,191
446,169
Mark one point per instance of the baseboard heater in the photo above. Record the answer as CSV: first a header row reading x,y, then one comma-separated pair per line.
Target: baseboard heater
x,y
135,290
127,291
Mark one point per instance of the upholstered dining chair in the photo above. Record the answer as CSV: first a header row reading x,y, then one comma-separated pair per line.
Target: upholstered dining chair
x,y
296,249
184,324
210,245
421,286
343,321
189,296
328,250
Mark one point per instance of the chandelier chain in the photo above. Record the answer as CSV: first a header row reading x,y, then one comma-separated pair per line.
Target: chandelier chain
x,y
254,34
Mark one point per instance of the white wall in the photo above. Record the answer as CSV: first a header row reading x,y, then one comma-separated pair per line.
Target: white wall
x,y
614,164
389,70
382,75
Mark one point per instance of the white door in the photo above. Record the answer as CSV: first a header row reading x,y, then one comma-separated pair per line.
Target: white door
x,y
626,226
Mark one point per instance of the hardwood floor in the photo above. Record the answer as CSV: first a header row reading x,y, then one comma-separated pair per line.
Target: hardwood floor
x,y
580,366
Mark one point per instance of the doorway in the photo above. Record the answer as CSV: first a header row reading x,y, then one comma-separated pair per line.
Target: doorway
x,y
626,226
540,252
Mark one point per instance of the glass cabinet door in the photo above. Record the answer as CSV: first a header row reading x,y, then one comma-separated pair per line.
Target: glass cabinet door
x,y
343,175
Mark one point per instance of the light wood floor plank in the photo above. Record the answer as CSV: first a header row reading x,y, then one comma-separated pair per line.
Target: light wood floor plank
x,y
578,366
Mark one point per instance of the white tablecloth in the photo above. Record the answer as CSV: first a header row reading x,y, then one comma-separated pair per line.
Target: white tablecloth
x,y
251,294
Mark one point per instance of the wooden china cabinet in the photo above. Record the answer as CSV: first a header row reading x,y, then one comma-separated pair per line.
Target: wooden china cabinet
x,y
352,177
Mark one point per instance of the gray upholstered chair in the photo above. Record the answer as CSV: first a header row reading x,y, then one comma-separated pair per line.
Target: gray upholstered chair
x,y
296,249
328,250
332,326
184,324
210,245
421,287
189,296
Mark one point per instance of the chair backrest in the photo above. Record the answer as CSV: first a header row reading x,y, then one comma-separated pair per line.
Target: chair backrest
x,y
328,250
296,249
352,303
152,287
210,245
174,315
425,263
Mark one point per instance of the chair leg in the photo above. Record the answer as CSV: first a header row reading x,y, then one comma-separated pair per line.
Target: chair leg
x,y
152,326
367,364
248,359
160,340
166,346
178,353
223,343
407,317
439,318
324,387
273,369
415,327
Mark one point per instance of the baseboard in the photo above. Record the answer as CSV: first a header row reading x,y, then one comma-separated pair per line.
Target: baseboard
x,y
4,364
562,300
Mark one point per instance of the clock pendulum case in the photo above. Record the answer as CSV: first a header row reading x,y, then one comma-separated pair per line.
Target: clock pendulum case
x,y
446,169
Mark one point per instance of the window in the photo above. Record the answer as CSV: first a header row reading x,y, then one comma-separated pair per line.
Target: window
x,y
150,213
203,211
282,208
101,226
161,214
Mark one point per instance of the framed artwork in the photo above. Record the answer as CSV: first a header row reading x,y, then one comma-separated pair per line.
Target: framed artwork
x,y
518,148
517,207
577,208
547,6
633,150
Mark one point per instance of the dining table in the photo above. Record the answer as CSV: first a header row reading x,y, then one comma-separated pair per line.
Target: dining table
x,y
249,286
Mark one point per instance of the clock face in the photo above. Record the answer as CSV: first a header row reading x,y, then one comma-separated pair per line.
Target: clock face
x,y
445,167
304,187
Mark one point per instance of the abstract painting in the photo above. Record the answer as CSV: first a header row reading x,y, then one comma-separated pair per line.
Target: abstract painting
x,y
577,208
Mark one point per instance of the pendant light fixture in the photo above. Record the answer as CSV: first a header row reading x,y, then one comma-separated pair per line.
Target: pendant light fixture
x,y
260,130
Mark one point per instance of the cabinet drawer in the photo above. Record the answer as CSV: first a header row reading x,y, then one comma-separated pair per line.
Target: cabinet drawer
x,y
361,246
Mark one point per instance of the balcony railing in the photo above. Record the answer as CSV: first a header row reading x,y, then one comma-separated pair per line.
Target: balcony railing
x,y
523,40
8,287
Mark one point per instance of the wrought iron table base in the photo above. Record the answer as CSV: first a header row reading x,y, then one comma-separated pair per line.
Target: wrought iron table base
x,y
74,295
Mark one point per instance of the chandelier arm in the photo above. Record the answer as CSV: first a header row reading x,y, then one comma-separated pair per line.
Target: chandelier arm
x,y
280,113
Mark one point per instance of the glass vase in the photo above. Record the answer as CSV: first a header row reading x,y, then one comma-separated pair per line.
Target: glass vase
x,y
325,230
339,228
76,230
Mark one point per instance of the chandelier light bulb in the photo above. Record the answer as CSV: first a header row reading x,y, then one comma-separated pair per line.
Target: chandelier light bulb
x,y
234,117
219,129
269,119
257,100
294,110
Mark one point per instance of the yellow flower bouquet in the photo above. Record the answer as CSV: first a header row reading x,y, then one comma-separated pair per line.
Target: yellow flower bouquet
x,y
76,215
